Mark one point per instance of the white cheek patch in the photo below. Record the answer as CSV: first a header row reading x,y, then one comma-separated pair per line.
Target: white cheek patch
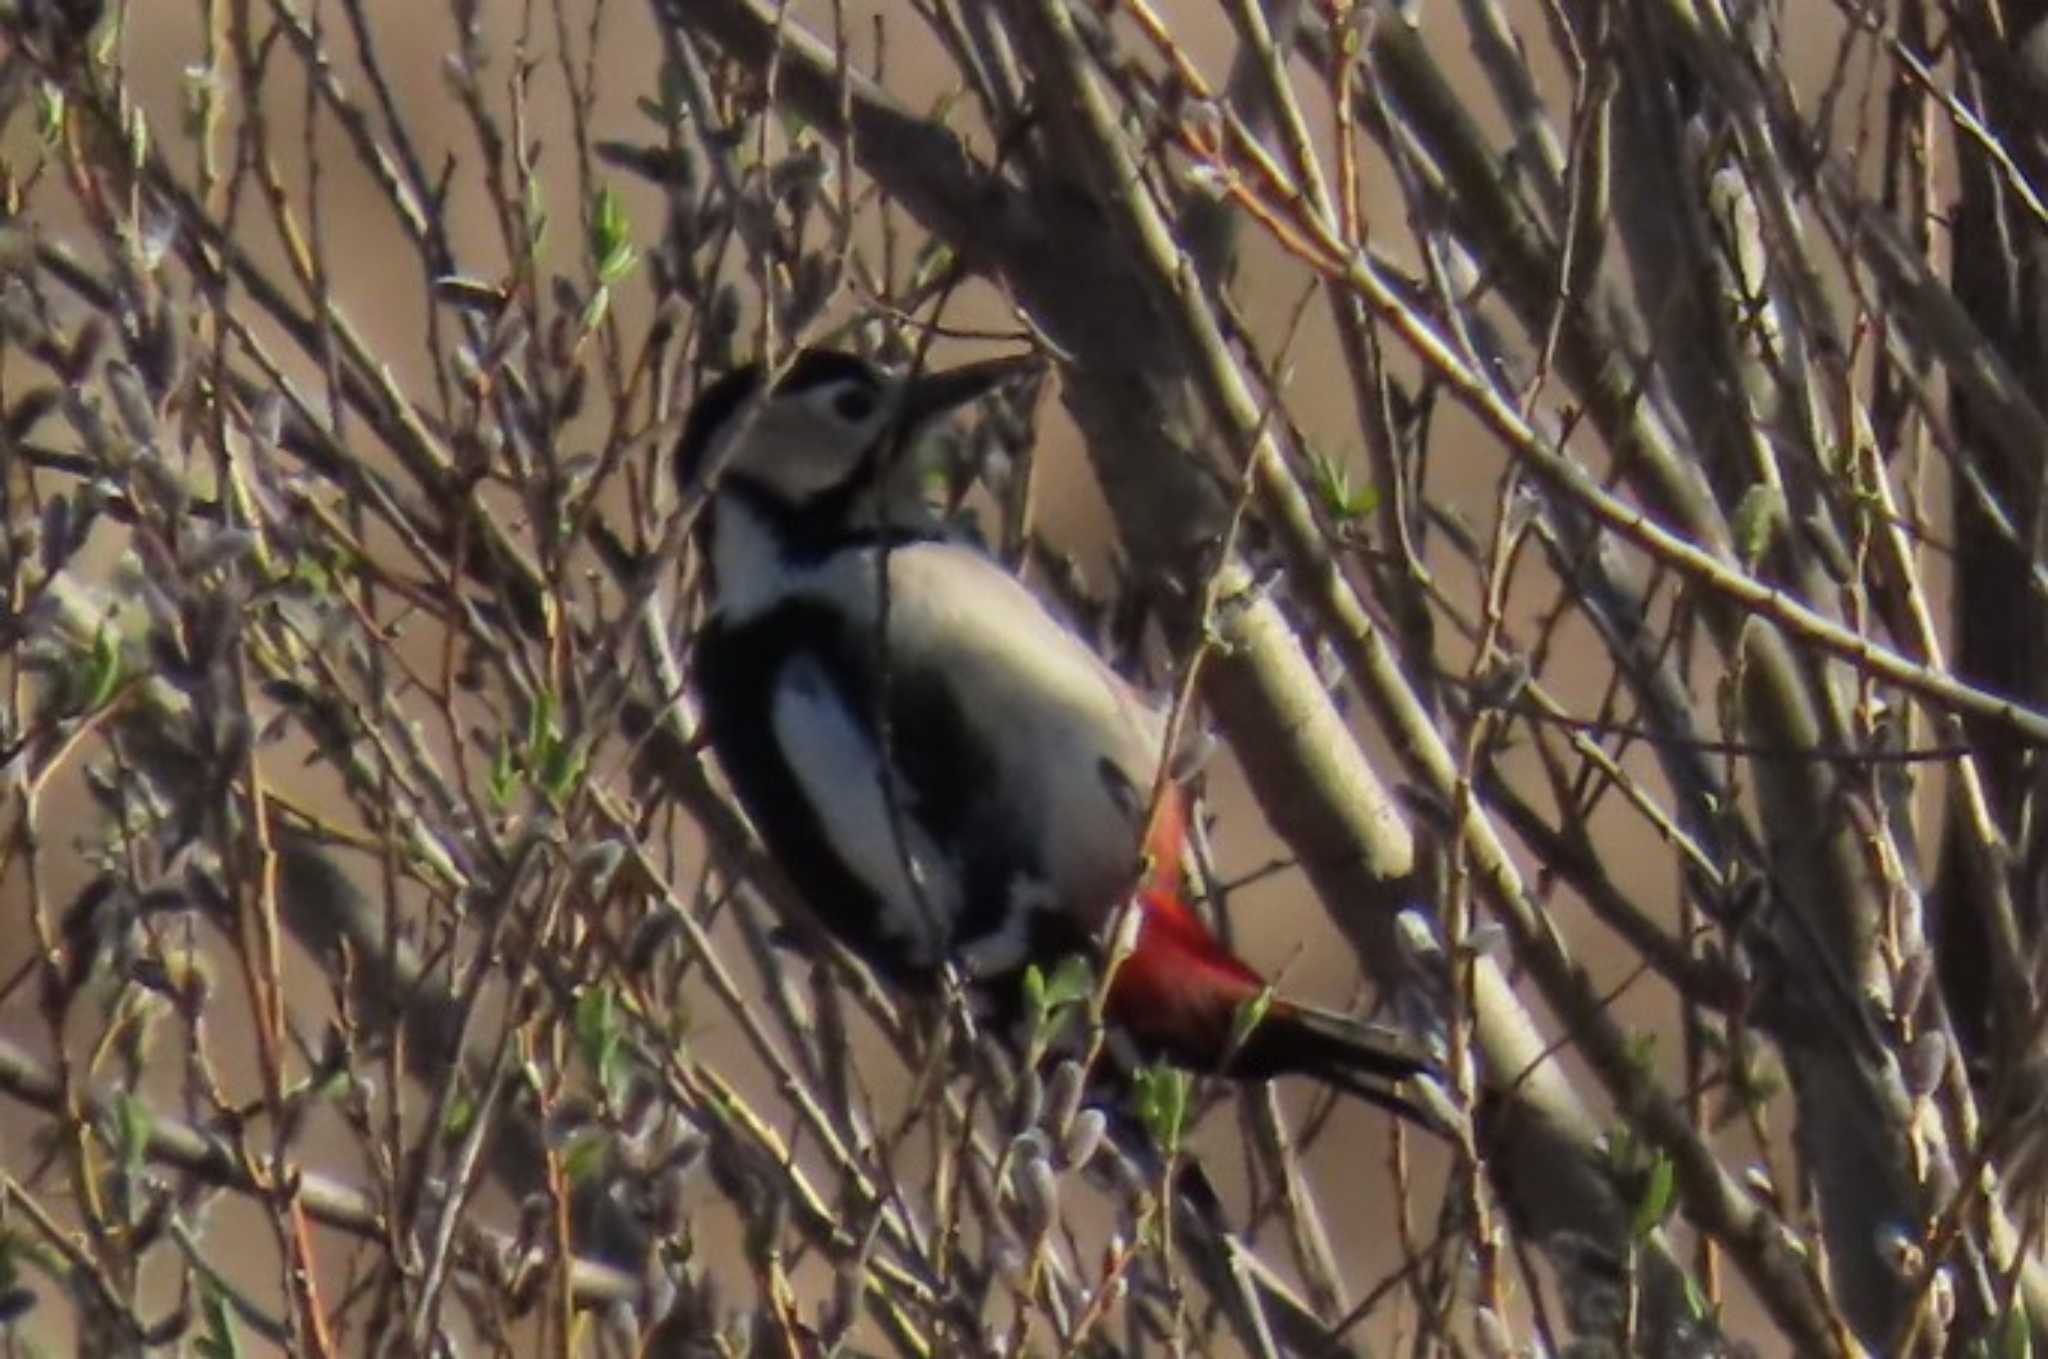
x,y
840,771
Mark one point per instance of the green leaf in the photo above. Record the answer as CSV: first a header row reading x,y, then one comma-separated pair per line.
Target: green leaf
x,y
933,263
1072,982
461,1113
218,1339
596,308
619,263
611,237
1163,1104
1341,501
1034,990
585,1158
1052,999
428,853
1622,1150
536,219
541,732
132,1127
2016,1340
600,1033
138,139
596,1011
1758,516
1658,1196
50,113
1248,1017
309,572
103,673
503,779
561,771
106,40
1641,1052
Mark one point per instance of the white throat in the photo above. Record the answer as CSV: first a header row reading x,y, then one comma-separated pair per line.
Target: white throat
x,y
754,574
747,562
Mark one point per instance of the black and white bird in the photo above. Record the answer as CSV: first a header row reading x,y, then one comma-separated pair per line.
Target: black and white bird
x,y
946,772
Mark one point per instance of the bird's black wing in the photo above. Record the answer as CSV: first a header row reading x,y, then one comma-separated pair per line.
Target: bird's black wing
x,y
740,671
811,720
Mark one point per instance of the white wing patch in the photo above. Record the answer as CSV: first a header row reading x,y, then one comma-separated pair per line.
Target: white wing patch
x,y
840,771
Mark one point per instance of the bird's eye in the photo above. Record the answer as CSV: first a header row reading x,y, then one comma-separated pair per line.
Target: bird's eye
x,y
854,404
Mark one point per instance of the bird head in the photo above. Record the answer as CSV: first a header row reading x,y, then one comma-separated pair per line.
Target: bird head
x,y
828,436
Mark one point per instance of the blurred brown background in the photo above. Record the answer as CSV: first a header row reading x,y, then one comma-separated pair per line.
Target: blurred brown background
x,y
1279,928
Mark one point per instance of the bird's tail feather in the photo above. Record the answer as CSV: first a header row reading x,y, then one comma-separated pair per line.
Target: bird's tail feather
x,y
1373,1063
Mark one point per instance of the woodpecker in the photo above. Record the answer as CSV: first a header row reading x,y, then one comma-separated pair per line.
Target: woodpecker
x,y
946,772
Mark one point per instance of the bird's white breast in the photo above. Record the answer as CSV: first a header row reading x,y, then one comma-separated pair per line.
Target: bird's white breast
x,y
1076,749
1073,748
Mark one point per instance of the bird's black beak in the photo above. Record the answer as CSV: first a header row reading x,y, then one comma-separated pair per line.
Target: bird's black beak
x,y
926,396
